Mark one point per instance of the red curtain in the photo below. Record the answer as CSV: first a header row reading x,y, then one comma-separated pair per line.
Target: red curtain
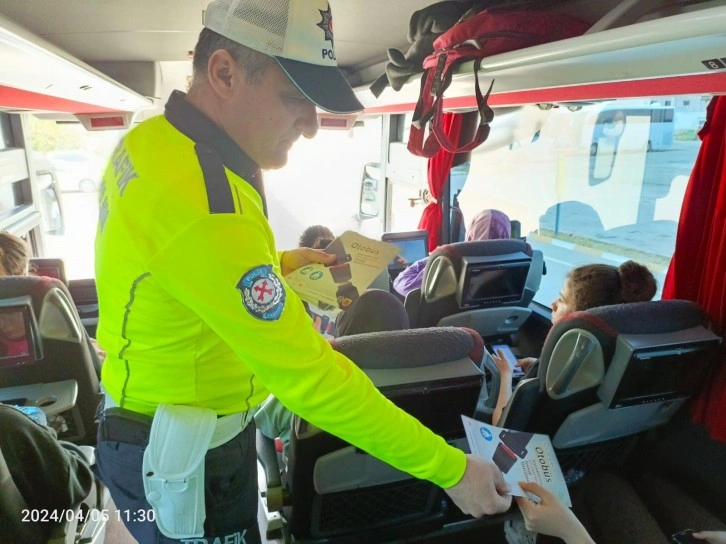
x,y
439,167
698,269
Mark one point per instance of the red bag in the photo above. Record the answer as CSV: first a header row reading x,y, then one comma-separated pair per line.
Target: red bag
x,y
487,33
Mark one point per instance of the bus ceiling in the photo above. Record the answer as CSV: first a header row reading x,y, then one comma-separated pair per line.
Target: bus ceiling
x,y
635,48
38,76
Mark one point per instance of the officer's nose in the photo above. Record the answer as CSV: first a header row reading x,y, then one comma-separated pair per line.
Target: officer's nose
x,y
307,123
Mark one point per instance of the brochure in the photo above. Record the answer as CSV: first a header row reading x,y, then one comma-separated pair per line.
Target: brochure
x,y
324,320
522,457
359,261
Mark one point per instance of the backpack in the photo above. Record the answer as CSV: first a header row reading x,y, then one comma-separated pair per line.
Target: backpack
x,y
486,33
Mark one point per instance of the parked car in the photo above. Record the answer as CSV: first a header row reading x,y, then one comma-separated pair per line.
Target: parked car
x,y
77,170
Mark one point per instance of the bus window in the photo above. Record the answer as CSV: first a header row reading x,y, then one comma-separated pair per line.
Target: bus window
x,y
78,158
321,183
578,210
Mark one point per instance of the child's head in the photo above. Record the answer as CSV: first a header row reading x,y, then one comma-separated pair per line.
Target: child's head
x,y
14,255
592,285
316,237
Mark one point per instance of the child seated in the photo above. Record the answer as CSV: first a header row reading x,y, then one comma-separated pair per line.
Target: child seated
x,y
586,286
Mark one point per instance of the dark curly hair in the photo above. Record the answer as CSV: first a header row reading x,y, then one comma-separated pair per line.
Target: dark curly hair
x,y
593,285
315,237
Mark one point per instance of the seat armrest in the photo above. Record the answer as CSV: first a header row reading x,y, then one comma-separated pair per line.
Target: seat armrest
x,y
517,414
267,457
487,364
89,454
412,303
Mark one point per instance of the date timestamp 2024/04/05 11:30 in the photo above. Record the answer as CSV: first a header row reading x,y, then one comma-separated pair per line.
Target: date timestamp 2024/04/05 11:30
x,y
35,515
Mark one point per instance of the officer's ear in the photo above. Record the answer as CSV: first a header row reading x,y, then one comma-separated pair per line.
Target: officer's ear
x,y
223,73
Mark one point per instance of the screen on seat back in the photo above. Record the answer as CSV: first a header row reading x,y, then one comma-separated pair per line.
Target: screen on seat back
x,y
49,271
492,280
664,374
410,251
412,246
16,340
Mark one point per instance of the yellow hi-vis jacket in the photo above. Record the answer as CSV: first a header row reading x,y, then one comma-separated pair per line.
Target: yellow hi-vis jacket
x,y
194,309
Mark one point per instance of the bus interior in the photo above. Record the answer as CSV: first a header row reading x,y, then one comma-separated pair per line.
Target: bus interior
x,y
592,145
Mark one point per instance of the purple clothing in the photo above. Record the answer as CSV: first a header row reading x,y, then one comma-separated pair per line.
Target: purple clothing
x,y
411,278
486,225
489,225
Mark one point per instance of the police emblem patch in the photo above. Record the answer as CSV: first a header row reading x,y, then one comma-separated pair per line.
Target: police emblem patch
x,y
326,24
262,292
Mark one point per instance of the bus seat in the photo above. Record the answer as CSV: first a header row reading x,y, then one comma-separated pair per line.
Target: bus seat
x,y
53,268
51,363
457,229
610,373
335,490
87,524
485,285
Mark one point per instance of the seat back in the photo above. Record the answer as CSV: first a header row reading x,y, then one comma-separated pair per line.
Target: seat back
x,y
337,490
484,285
610,373
458,228
52,268
51,364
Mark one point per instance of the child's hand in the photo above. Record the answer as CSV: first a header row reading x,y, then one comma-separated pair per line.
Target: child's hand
x,y
712,537
526,363
502,364
550,516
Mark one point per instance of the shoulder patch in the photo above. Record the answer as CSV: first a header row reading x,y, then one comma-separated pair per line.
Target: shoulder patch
x,y
262,293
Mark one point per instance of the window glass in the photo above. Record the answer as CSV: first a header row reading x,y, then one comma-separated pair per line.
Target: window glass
x,y
5,131
77,158
601,184
321,182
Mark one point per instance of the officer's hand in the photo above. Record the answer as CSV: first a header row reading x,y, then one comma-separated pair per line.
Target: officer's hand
x,y
482,490
293,259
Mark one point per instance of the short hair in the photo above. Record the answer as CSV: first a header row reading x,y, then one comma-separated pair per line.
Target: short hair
x,y
593,285
14,255
252,62
313,235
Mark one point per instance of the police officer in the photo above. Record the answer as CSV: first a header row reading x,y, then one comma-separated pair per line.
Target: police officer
x,y
193,307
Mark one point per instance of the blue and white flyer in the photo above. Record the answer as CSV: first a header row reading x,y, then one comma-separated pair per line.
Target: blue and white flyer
x,y
522,457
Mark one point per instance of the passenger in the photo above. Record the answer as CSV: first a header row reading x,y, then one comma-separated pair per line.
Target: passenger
x,y
15,261
373,311
14,255
615,513
486,225
316,237
52,476
586,286
191,317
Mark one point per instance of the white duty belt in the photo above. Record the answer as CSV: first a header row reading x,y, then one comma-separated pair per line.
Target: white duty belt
x,y
173,467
